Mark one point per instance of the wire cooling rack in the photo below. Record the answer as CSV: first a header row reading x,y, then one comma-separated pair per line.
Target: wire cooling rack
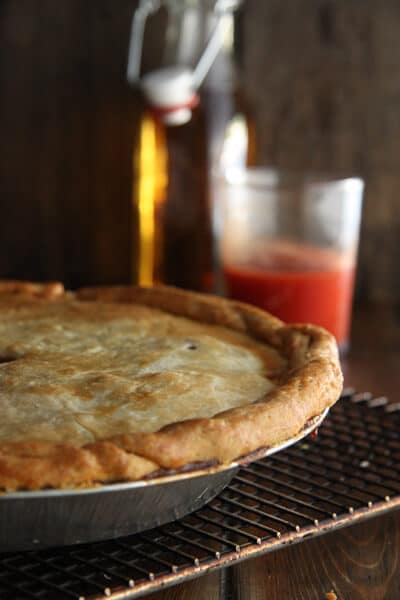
x,y
349,472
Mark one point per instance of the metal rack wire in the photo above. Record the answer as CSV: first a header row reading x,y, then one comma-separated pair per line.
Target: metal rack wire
x,y
349,472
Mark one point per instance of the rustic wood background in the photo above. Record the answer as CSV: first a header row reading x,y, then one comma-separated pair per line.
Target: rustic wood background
x,y
324,80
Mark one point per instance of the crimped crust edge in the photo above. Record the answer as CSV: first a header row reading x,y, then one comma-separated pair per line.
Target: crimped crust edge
x,y
312,383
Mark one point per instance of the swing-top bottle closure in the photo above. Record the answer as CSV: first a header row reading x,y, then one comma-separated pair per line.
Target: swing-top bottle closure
x,y
172,92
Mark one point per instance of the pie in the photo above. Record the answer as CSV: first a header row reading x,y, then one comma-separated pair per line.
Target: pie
x,y
124,383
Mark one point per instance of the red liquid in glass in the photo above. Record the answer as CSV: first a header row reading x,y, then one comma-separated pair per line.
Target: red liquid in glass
x,y
321,297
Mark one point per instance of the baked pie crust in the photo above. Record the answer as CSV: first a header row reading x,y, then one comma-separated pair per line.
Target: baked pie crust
x,y
121,383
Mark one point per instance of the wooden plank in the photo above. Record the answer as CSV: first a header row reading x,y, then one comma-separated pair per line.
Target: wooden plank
x,y
67,119
321,77
358,562
207,587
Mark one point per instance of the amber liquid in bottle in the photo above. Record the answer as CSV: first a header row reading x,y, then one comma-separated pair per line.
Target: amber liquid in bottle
x,y
171,203
148,200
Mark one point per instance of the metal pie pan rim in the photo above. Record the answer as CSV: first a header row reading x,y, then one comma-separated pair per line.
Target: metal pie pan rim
x,y
312,424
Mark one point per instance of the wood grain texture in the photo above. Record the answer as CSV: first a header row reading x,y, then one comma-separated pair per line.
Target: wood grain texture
x,y
373,362
209,587
360,563
322,79
67,134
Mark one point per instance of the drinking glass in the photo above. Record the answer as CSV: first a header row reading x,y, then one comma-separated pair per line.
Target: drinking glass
x,y
288,244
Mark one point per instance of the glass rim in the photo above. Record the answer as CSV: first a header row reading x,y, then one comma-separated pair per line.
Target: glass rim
x,y
274,178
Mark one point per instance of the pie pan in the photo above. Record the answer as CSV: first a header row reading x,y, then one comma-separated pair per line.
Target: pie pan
x,y
45,518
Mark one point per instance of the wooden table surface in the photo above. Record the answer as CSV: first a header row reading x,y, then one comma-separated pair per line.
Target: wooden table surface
x,y
361,562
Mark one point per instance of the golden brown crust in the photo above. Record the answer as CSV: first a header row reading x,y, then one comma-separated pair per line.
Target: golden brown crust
x,y
312,383
50,290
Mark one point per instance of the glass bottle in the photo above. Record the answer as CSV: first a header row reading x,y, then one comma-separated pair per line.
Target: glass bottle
x,y
184,133
231,127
